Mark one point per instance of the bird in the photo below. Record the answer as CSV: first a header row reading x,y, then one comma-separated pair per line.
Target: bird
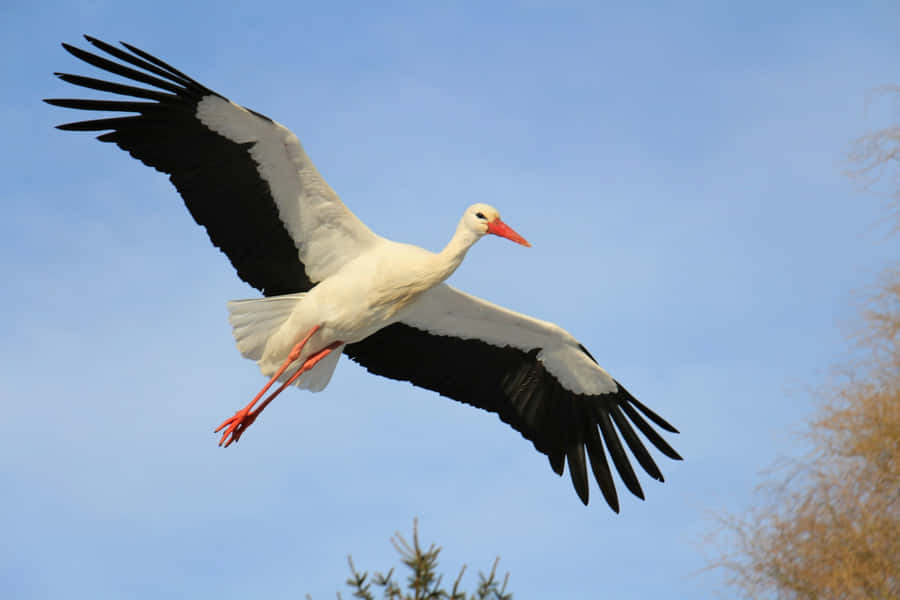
x,y
330,286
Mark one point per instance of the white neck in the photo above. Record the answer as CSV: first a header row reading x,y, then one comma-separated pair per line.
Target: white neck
x,y
448,259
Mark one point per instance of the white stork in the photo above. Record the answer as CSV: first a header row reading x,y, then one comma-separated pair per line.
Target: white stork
x,y
331,286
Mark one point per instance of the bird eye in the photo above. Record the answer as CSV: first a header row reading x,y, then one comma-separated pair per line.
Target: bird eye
x,y
480,216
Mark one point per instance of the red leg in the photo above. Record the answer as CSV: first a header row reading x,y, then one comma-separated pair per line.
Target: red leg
x,y
240,415
238,427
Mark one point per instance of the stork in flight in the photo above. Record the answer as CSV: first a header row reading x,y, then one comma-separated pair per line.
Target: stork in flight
x,y
331,286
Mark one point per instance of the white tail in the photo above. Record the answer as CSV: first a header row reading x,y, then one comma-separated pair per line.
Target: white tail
x,y
253,323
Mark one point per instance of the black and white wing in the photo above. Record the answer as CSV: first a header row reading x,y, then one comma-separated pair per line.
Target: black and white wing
x,y
243,176
532,373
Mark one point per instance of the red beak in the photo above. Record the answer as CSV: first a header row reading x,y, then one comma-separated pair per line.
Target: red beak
x,y
498,227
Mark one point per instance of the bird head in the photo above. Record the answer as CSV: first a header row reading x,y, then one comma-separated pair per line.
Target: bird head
x,y
484,219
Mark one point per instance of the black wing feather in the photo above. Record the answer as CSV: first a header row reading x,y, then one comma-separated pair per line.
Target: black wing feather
x,y
122,70
600,467
168,73
634,444
650,433
617,452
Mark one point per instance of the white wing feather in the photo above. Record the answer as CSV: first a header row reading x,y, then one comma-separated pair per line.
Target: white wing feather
x,y
444,310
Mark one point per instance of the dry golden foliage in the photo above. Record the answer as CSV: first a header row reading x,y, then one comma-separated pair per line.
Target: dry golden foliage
x,y
831,529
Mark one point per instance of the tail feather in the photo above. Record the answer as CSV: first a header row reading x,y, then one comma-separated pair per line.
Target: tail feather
x,y
256,320
316,379
253,321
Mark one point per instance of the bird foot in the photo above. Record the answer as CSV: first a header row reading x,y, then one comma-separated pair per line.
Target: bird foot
x,y
236,425
244,418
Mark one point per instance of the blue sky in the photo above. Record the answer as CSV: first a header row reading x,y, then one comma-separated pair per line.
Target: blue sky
x,y
678,172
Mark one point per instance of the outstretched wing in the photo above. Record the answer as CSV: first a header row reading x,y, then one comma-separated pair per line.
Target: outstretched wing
x,y
243,176
532,373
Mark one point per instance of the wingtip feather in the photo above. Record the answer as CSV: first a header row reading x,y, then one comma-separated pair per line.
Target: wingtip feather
x,y
557,463
634,443
600,467
629,397
578,470
617,452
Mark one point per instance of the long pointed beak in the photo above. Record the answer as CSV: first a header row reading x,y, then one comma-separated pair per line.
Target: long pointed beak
x,y
498,227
